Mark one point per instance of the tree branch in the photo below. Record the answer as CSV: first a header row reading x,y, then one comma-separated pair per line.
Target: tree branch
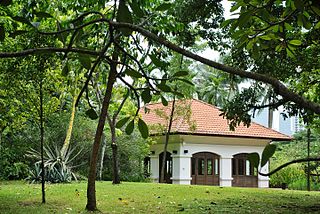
x,y
47,50
289,163
276,84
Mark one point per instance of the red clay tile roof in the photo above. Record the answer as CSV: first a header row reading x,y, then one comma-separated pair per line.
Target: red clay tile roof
x,y
207,122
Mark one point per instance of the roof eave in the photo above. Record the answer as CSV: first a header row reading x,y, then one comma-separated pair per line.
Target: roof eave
x,y
222,135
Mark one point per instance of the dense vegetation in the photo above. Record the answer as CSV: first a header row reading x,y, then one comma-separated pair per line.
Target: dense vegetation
x,y
295,176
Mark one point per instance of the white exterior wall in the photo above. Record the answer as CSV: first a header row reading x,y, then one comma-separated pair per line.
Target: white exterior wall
x,y
222,146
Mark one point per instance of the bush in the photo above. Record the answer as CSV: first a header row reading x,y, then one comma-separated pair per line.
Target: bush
x,y
11,170
56,174
58,167
287,175
302,185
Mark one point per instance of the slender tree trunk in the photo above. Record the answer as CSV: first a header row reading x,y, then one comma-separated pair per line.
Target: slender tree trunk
x,y
164,158
91,190
103,150
308,156
41,145
270,117
69,131
115,160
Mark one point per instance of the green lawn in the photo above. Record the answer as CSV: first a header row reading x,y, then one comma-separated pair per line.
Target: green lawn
x,y
19,197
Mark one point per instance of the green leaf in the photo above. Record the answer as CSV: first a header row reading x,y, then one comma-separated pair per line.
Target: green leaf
x,y
180,73
317,25
92,114
226,23
130,127
244,18
2,33
295,42
146,96
178,94
254,159
235,7
163,7
43,15
289,53
278,48
265,37
122,122
156,61
288,26
124,15
143,128
267,153
85,61
164,101
164,87
316,10
136,9
186,81
133,73
65,70
5,2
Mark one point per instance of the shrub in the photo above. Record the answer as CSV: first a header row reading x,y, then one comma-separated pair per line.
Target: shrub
x,y
11,170
58,167
287,175
302,185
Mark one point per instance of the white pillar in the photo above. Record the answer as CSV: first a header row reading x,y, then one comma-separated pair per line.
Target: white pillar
x,y
263,181
154,165
181,169
226,171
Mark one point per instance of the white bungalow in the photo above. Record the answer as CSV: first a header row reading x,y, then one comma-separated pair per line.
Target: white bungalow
x,y
203,150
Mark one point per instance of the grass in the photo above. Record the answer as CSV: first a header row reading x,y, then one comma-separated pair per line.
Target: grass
x,y
19,197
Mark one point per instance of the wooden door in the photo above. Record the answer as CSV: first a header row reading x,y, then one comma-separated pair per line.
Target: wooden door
x,y
167,169
205,168
243,173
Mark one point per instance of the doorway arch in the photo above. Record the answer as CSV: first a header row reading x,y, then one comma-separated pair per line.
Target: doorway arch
x,y
243,172
205,168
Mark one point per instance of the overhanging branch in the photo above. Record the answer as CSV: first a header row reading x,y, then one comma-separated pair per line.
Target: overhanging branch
x,y
279,87
302,160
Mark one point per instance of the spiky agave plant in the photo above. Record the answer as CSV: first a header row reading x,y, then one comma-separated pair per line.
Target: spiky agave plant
x,y
58,165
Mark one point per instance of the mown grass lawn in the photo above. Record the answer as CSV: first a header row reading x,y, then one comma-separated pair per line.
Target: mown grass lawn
x,y
20,197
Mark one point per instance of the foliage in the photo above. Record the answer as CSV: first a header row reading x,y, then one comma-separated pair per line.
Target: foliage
x,y
59,167
131,152
18,197
295,175
275,38
11,169
11,164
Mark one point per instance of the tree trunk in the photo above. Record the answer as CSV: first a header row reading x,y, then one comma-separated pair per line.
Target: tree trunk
x,y
103,150
270,116
308,156
164,158
41,145
91,189
69,131
115,161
